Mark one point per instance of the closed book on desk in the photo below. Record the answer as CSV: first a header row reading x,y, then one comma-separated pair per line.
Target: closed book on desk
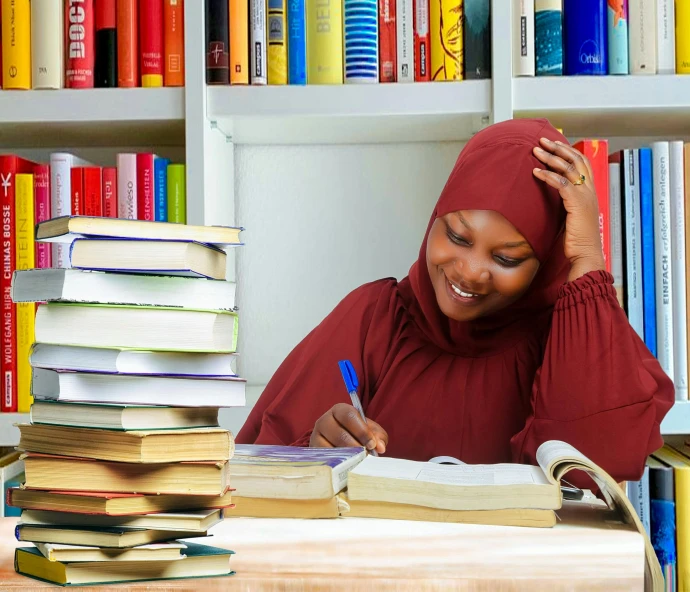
x,y
153,552
200,561
258,507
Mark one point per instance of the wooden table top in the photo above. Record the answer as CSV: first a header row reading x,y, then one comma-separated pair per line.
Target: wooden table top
x,y
359,554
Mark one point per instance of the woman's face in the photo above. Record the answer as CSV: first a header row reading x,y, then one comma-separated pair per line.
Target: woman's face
x,y
478,263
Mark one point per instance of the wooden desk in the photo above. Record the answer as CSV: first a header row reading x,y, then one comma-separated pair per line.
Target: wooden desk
x,y
358,555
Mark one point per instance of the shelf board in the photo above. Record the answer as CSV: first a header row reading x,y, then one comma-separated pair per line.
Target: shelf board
x,y
350,113
92,117
9,435
607,106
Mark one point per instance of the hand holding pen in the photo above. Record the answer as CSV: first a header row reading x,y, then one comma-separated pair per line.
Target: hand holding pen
x,y
346,425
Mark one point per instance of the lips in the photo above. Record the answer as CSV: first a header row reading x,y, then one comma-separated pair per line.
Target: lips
x,y
462,295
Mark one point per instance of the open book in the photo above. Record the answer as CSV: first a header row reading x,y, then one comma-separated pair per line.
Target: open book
x,y
492,487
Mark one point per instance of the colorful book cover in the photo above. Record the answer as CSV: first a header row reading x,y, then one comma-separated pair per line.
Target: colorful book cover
x,y
239,41
618,36
41,172
16,44
477,41
106,44
80,43
110,192
76,176
324,42
277,42
361,41
160,174
177,192
126,186
145,186
173,42
548,37
274,455
217,42
93,191
151,42
422,38
586,36
388,45
257,41
25,247
447,59
297,43
127,44
648,258
682,37
662,519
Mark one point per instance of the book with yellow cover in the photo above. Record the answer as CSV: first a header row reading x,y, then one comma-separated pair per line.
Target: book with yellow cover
x,y
16,44
324,41
682,37
239,42
26,311
447,57
277,42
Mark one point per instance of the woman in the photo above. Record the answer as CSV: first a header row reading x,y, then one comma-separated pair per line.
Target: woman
x,y
506,332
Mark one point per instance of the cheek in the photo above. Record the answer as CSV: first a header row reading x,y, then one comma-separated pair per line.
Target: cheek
x,y
512,283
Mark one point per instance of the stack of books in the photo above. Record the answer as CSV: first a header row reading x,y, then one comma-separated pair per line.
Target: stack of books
x,y
133,356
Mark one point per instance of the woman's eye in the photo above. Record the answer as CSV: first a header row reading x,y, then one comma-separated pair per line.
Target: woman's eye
x,y
506,262
457,239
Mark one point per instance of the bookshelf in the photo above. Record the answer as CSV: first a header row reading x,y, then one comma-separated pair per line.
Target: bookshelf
x,y
212,125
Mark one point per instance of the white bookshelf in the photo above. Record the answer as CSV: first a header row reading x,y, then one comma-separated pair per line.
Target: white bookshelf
x,y
9,434
207,123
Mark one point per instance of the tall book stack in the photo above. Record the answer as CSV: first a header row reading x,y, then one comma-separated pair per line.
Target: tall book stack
x,y
133,357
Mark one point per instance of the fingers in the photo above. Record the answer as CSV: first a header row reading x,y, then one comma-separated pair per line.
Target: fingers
x,y
565,159
352,423
318,441
556,181
558,164
380,434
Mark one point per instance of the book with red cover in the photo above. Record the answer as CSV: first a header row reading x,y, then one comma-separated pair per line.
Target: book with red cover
x,y
106,44
127,44
173,41
93,187
109,192
388,44
77,190
10,166
146,208
422,53
80,50
597,152
151,42
43,252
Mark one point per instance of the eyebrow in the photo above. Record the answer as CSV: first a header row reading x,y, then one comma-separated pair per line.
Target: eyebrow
x,y
512,245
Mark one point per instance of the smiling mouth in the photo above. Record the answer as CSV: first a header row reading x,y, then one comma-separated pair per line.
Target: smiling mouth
x,y
460,295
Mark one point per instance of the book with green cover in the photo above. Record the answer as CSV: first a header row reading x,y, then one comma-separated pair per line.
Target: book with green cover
x,y
200,561
177,194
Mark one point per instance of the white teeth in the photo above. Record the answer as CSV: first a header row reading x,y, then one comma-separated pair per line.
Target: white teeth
x,y
461,293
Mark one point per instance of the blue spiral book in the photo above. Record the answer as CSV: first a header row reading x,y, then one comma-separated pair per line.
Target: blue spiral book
x,y
586,37
297,43
361,41
648,266
548,37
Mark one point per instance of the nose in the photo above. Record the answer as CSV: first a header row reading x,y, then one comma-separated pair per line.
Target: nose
x,y
472,270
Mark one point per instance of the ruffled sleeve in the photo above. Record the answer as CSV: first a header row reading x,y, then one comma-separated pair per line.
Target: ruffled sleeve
x,y
309,382
598,388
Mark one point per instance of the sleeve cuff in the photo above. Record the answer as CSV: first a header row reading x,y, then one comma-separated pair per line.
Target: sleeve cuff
x,y
591,285
303,440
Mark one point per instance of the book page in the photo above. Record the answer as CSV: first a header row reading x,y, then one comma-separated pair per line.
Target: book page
x,y
465,475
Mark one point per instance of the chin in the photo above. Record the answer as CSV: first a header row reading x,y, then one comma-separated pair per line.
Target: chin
x,y
460,314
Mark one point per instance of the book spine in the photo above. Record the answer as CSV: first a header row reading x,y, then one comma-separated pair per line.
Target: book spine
x,y
679,319
663,253
585,37
297,42
477,42
360,18
77,185
686,178
618,37
43,254
633,241
324,42
177,201
93,191
642,36
16,44
405,40
160,173
548,37
665,37
24,224
109,192
60,199
217,42
105,74
616,226
422,38
523,38
638,494
257,58
277,42
173,42
648,271
127,186
47,57
388,67
127,44
662,521
151,42
682,19
145,187
80,52
446,48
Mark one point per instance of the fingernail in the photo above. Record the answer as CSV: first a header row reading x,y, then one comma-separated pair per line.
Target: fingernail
x,y
546,140
371,444
536,170
382,447
538,149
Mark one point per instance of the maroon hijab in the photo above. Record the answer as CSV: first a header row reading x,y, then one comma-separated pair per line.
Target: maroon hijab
x,y
494,172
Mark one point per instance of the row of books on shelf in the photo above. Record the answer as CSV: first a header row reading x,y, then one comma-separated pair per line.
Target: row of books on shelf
x,y
142,187
53,44
596,37
346,41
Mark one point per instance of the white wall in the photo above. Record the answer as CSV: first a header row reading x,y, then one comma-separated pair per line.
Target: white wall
x,y
320,221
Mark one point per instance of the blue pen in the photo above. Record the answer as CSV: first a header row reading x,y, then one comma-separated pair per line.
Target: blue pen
x,y
352,384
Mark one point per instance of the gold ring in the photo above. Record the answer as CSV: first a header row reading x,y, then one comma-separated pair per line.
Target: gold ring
x,y
580,181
